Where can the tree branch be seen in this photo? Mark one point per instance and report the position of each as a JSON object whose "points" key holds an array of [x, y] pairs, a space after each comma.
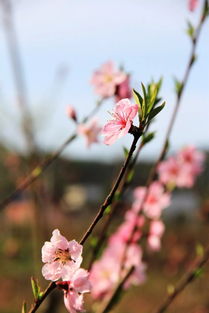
{"points": [[186, 280]]}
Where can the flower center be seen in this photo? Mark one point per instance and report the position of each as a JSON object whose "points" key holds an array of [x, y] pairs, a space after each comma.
{"points": [[63, 256], [152, 199], [108, 78]]}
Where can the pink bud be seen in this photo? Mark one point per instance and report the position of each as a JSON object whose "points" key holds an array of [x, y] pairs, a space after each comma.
{"points": [[193, 4], [71, 113]]}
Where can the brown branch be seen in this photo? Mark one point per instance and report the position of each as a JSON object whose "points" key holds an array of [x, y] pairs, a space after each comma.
{"points": [[122, 188], [108, 305], [124, 185], [38, 302], [108, 200], [186, 280]]}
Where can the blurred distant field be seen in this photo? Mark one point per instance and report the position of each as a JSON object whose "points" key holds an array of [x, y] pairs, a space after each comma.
{"points": [[23, 234], [180, 242]]}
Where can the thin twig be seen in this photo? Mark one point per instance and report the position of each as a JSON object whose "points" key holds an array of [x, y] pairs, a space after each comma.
{"points": [[40, 168], [185, 281], [108, 200], [122, 189], [38, 302], [108, 305]]}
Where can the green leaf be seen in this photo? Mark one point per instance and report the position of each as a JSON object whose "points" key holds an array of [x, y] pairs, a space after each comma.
{"points": [[155, 111], [198, 272], [178, 86], [199, 250], [117, 195], [130, 176], [107, 210], [157, 100], [24, 307], [125, 151], [35, 288], [153, 96], [37, 171], [144, 103], [147, 138], [138, 99], [159, 84], [190, 30], [170, 289], [93, 241]]}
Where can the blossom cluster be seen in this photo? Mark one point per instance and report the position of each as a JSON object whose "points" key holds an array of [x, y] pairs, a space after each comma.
{"points": [[117, 259], [182, 169], [123, 250], [108, 82], [62, 260], [122, 119]]}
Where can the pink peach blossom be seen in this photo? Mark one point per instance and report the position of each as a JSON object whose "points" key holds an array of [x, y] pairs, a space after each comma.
{"points": [[157, 229], [71, 112], [123, 90], [182, 169], [134, 258], [174, 173], [131, 255], [125, 232], [107, 272], [106, 79], [154, 243], [62, 257], [119, 126], [74, 288], [90, 131], [192, 157], [169, 172], [104, 275], [154, 202], [193, 4], [73, 302]]}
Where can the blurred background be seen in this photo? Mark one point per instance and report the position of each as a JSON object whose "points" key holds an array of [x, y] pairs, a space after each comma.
{"points": [[48, 52]]}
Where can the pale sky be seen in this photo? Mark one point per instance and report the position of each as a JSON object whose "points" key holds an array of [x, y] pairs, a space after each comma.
{"points": [[146, 36]]}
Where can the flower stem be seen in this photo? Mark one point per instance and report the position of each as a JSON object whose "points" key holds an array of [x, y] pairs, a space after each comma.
{"points": [[109, 199]]}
